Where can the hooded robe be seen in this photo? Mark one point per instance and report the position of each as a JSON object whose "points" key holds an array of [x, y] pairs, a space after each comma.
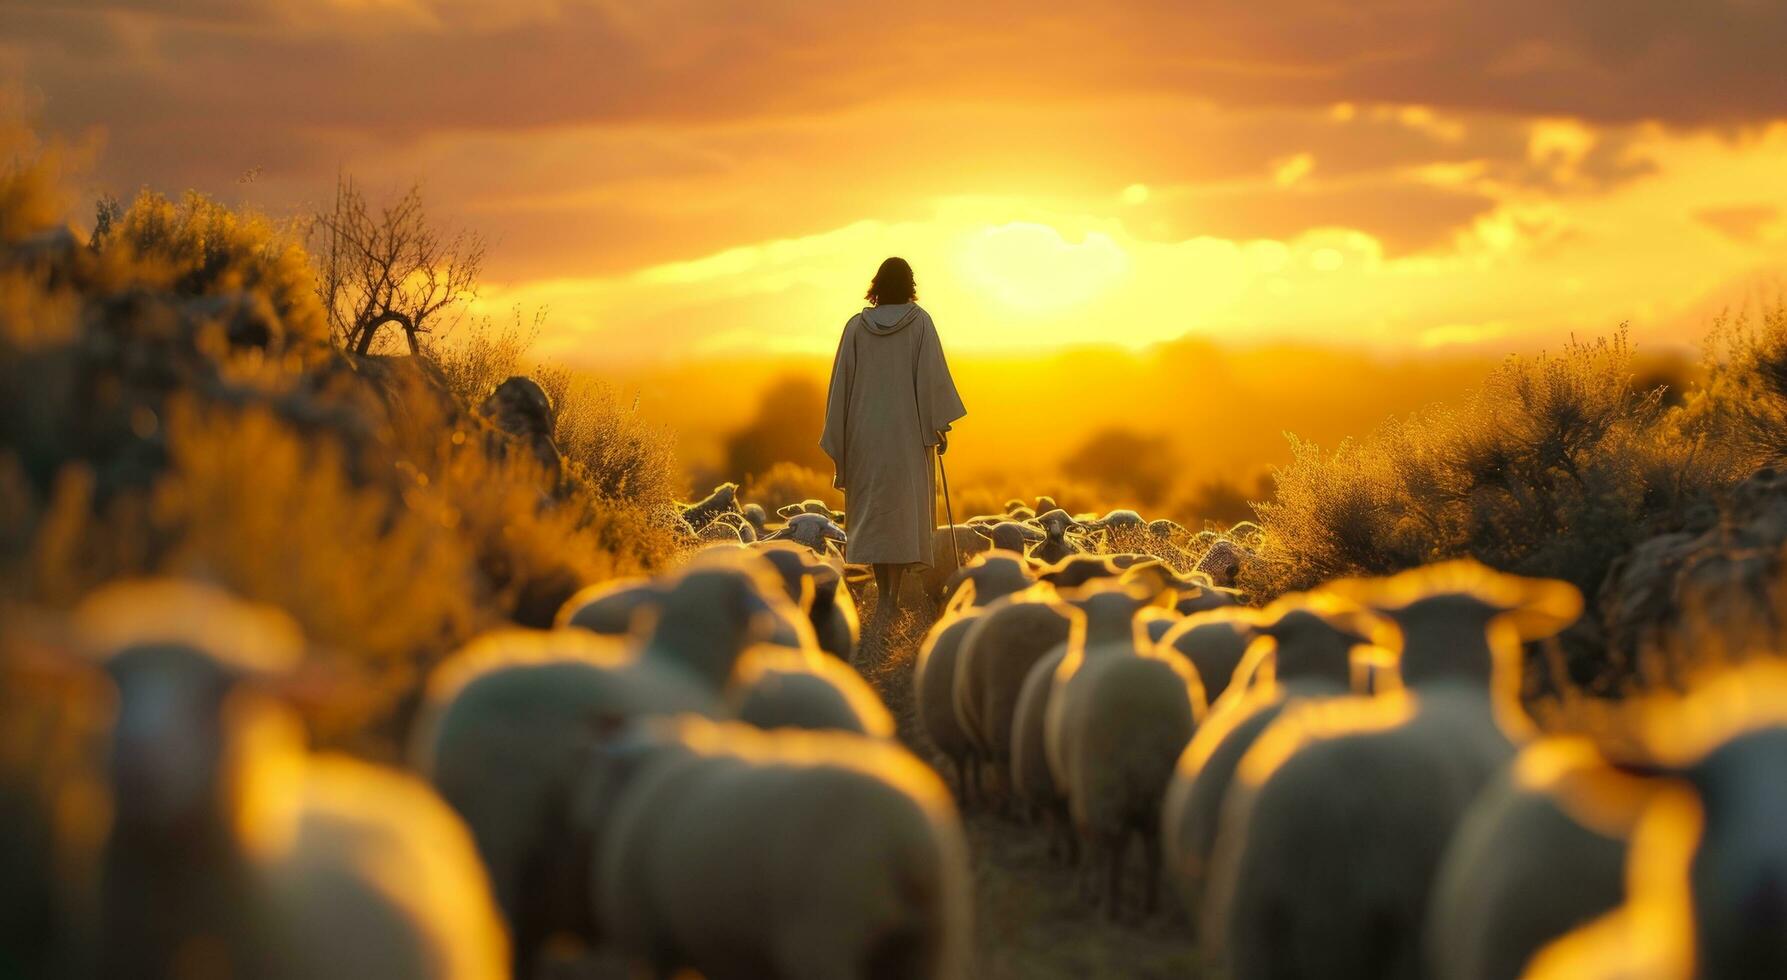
{"points": [[890, 395]]}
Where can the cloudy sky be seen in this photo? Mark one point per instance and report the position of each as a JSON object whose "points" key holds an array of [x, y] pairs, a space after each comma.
{"points": [[681, 177]]}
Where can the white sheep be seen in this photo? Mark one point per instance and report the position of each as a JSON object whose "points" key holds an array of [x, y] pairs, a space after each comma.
{"points": [[758, 517], [607, 607], [969, 541], [1338, 816], [505, 723], [739, 853], [1117, 718], [817, 587], [1016, 536], [1075, 571], [1707, 860], [229, 838], [502, 734], [933, 681], [632, 606], [1302, 650], [1214, 642], [1000, 647], [781, 687], [987, 577], [1541, 851], [815, 531]]}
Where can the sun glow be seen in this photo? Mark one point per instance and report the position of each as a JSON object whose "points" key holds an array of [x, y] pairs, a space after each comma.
{"points": [[1034, 268]]}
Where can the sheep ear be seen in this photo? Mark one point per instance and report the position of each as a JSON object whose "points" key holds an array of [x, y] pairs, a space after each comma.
{"points": [[780, 534]]}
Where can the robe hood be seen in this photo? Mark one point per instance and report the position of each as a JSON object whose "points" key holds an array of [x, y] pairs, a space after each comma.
{"points": [[889, 317]]}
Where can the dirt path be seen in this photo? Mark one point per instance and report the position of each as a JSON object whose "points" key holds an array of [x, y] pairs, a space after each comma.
{"points": [[1030, 922]]}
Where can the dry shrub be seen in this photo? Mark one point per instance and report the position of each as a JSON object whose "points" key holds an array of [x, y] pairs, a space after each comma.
{"points": [[198, 247], [1557, 465], [140, 436], [616, 453], [484, 354], [787, 483]]}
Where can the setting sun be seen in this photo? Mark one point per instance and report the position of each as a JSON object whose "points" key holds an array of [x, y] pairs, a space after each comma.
{"points": [[1032, 268]]}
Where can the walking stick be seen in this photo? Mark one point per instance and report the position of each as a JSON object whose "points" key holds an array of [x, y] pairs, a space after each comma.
{"points": [[948, 512]]}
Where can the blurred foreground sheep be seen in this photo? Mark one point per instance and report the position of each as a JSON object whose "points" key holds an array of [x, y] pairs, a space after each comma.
{"points": [[1117, 717], [1542, 851], [816, 586], [508, 720], [1304, 651], [782, 687], [1706, 876], [235, 851], [1333, 831], [744, 854]]}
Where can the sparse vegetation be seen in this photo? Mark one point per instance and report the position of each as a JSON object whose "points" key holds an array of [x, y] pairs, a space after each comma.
{"points": [[1555, 466], [176, 400]]}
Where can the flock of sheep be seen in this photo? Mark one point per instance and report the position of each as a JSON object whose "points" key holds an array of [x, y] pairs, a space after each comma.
{"points": [[689, 773]]}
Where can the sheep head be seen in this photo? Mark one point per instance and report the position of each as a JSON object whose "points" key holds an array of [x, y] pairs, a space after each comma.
{"points": [[188, 661], [723, 603], [1460, 618], [1314, 635]]}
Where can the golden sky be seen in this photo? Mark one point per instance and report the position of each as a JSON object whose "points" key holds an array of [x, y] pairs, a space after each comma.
{"points": [[687, 177]]}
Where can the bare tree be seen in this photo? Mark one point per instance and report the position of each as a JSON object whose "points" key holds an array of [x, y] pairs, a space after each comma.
{"points": [[390, 266]]}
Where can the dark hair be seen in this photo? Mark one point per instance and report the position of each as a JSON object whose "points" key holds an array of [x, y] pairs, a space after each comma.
{"points": [[892, 283]]}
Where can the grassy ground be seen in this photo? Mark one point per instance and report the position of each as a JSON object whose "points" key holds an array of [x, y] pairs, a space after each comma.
{"points": [[1030, 921]]}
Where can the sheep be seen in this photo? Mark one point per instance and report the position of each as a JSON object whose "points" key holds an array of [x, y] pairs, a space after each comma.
{"points": [[817, 587], [724, 600], [1045, 503], [624, 606], [780, 687], [1016, 536], [505, 721], [229, 838], [816, 532], [759, 519], [986, 577], [1706, 864], [933, 682], [607, 608], [810, 506], [968, 542], [996, 654], [1056, 545], [501, 736], [1214, 642], [1541, 851], [1076, 570], [1032, 781], [1116, 718], [701, 513], [1335, 823], [737, 853]]}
